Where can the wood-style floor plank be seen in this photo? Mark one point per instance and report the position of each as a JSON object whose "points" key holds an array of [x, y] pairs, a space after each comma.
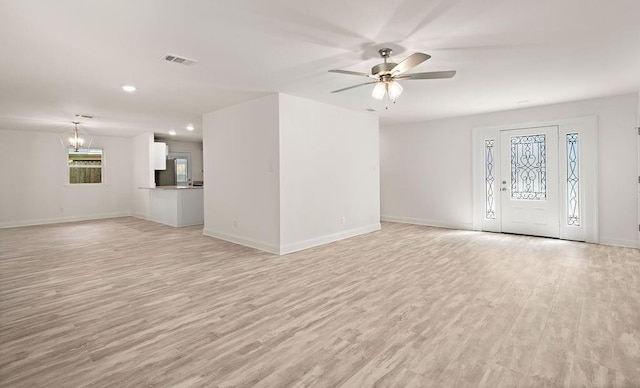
{"points": [[129, 303]]}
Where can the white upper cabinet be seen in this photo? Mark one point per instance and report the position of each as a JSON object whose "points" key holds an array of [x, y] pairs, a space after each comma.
{"points": [[158, 156]]}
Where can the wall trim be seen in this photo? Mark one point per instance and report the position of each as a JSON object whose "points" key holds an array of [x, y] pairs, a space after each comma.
{"points": [[439, 224], [618, 243], [141, 216], [328, 238], [60, 220], [261, 245], [426, 222]]}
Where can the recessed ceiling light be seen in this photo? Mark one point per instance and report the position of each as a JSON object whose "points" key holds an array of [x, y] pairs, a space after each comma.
{"points": [[523, 102], [172, 132], [189, 127], [129, 88]]}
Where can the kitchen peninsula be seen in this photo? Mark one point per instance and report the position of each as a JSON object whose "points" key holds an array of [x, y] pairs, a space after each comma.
{"points": [[177, 205]]}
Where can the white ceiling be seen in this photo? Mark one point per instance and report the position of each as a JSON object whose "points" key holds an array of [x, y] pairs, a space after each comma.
{"points": [[66, 57]]}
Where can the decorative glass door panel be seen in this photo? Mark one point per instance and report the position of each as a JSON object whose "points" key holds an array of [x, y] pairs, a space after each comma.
{"points": [[529, 167], [573, 180], [490, 180], [529, 181]]}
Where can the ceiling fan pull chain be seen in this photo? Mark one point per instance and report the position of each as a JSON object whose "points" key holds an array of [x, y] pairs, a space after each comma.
{"points": [[386, 96]]}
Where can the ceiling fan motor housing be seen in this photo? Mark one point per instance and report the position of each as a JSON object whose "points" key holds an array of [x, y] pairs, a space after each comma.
{"points": [[386, 67], [383, 68]]}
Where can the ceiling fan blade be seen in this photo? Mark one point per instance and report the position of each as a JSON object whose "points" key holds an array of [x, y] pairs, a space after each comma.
{"points": [[428, 75], [354, 86], [350, 72], [410, 62]]}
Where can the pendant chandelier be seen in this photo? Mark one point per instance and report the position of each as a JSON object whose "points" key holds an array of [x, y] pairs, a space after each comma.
{"points": [[75, 140]]}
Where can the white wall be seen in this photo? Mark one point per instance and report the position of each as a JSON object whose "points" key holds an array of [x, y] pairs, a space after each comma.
{"points": [[34, 187], [329, 169], [143, 174], [426, 167], [425, 174], [195, 149], [281, 172], [241, 192]]}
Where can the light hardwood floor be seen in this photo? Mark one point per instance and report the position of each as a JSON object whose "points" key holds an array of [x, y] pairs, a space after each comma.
{"points": [[126, 302]]}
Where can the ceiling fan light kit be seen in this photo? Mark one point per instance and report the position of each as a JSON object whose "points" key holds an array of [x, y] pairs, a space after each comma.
{"points": [[386, 74], [391, 89]]}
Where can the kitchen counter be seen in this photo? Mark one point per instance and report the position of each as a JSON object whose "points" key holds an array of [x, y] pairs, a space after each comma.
{"points": [[177, 188], [177, 205]]}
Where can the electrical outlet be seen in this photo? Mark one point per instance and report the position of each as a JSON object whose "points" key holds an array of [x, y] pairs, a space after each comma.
{"points": [[343, 220], [235, 223]]}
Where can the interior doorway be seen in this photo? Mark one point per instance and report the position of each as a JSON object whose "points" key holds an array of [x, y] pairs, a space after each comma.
{"points": [[537, 179]]}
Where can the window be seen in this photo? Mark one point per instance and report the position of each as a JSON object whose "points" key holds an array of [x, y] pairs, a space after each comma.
{"points": [[182, 176], [183, 167], [85, 166]]}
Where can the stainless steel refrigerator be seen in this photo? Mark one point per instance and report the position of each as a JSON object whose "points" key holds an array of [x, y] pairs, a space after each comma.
{"points": [[167, 177]]}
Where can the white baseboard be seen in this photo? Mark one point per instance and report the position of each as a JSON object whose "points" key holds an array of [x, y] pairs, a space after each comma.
{"points": [[618, 243], [284, 249], [59, 220], [261, 245], [141, 216], [425, 222], [314, 242], [462, 226]]}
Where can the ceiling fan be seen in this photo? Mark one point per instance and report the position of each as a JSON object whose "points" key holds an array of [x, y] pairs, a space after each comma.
{"points": [[386, 74]]}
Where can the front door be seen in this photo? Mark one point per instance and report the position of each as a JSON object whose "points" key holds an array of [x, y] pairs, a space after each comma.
{"points": [[529, 181]]}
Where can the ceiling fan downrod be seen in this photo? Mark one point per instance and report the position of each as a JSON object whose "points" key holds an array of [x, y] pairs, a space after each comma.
{"points": [[385, 67]]}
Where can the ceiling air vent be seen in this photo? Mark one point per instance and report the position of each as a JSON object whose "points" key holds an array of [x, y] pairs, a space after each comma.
{"points": [[178, 59]]}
